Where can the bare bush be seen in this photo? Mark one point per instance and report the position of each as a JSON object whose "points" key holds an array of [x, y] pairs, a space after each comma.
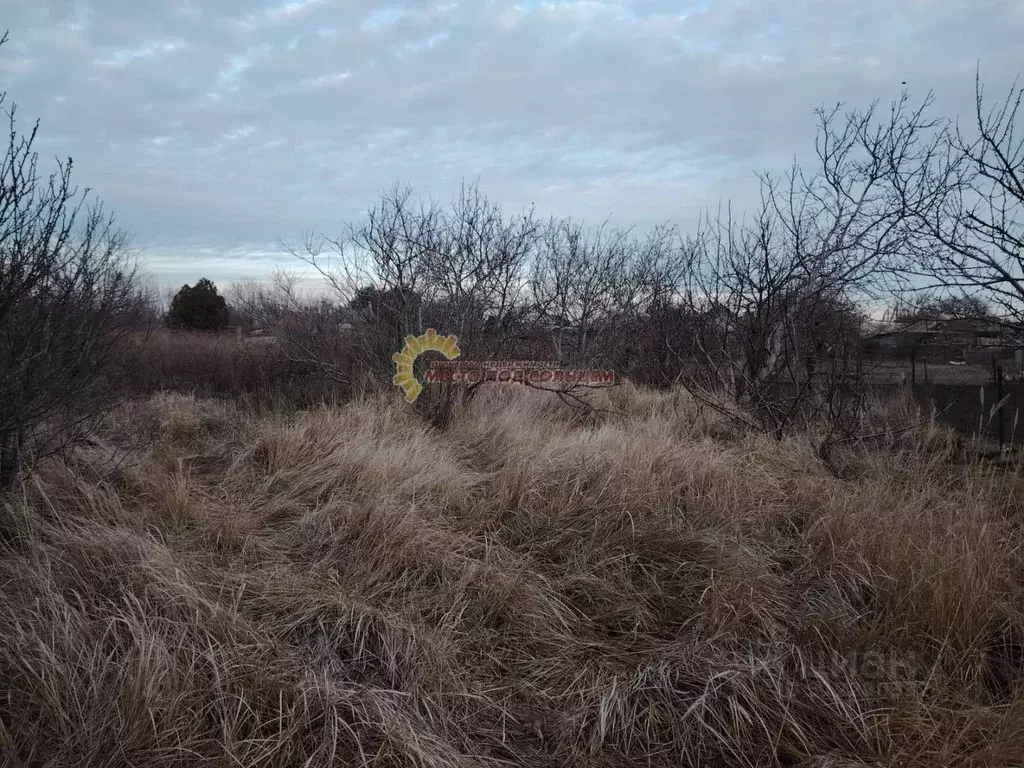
{"points": [[411, 265], [776, 295], [932, 304], [763, 315], [965, 197], [574, 285], [68, 294], [508, 285]]}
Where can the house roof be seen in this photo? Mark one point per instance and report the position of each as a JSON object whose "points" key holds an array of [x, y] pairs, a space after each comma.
{"points": [[943, 326]]}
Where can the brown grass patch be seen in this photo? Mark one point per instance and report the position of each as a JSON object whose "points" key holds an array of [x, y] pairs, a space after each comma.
{"points": [[525, 587]]}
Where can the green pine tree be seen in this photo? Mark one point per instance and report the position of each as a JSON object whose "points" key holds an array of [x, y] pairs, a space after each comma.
{"points": [[198, 308]]}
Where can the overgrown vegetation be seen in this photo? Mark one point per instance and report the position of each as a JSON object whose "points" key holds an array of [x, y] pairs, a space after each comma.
{"points": [[259, 372], [526, 588], [221, 549]]}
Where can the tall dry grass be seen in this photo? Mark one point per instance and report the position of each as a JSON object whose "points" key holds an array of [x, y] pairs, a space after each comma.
{"points": [[528, 587], [256, 371]]}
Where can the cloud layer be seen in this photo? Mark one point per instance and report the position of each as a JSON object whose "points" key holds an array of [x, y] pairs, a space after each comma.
{"points": [[215, 130]]}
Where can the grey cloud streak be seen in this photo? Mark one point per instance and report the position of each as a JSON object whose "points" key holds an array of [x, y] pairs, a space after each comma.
{"points": [[214, 130]]}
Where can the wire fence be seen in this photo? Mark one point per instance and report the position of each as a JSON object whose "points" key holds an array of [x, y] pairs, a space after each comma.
{"points": [[978, 391]]}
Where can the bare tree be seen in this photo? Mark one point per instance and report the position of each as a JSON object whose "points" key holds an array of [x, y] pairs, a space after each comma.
{"points": [[935, 305], [775, 296], [409, 265], [380, 267], [68, 296], [650, 321], [966, 200], [475, 270], [247, 301], [575, 281]]}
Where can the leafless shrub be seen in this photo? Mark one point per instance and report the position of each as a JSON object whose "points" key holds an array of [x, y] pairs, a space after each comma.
{"points": [[508, 285], [574, 281], [965, 199], [909, 307], [314, 333], [68, 294], [777, 296], [411, 265], [763, 315]]}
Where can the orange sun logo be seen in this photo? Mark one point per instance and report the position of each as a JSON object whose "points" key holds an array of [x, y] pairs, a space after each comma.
{"points": [[414, 347]]}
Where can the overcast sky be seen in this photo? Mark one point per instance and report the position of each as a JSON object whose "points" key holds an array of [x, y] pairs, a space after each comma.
{"points": [[216, 129]]}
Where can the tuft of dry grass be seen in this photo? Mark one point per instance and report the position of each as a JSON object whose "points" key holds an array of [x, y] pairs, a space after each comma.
{"points": [[527, 586]]}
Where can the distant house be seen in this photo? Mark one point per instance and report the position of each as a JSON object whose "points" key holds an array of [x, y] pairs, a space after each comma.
{"points": [[959, 333]]}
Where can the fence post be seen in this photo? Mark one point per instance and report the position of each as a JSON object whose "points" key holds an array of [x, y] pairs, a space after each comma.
{"points": [[913, 367], [999, 404]]}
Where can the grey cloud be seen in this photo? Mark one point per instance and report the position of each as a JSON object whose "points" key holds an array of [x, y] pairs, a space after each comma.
{"points": [[218, 128]]}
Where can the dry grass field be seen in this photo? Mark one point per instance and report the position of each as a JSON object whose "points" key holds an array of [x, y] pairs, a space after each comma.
{"points": [[531, 587]]}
